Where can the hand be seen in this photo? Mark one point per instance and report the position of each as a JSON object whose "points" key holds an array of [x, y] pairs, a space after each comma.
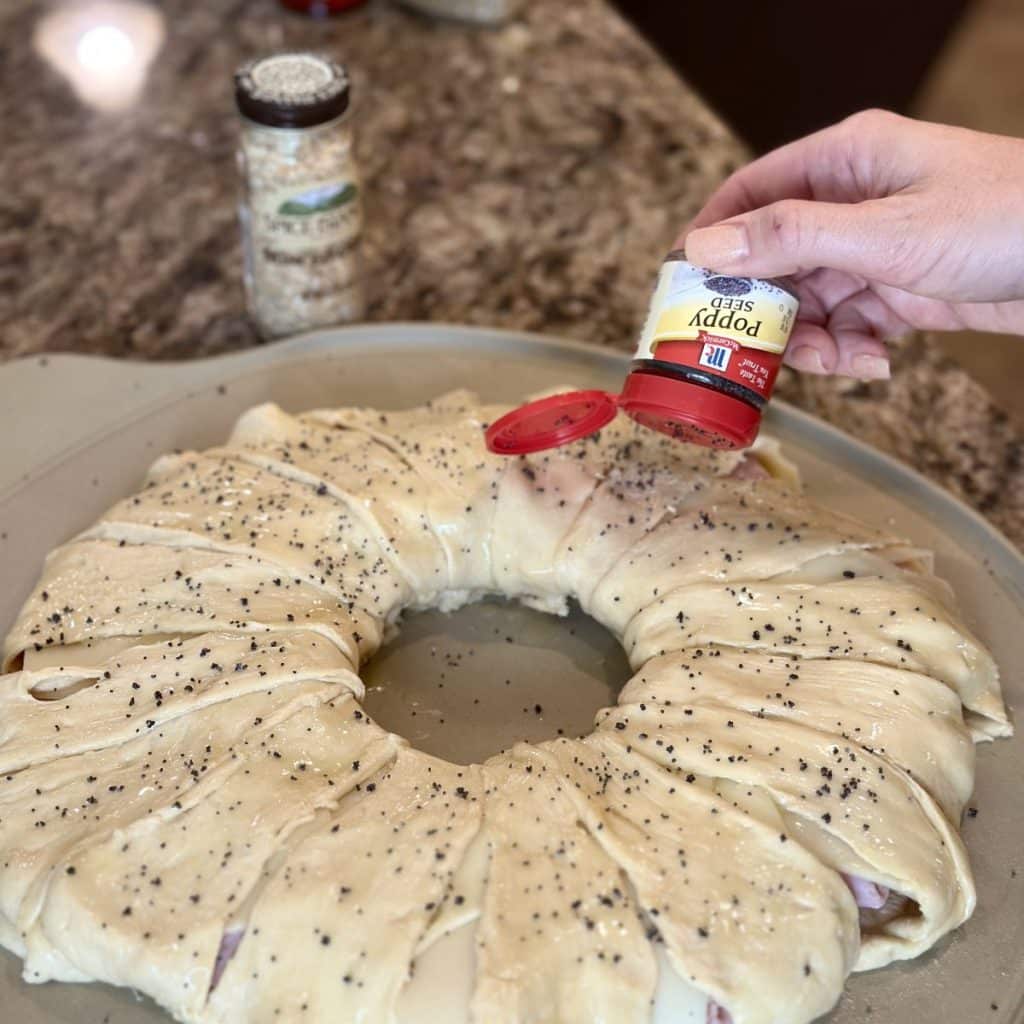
{"points": [[886, 224]]}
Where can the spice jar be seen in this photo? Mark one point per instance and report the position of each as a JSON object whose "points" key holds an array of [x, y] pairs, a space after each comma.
{"points": [[704, 367], [482, 12], [301, 206]]}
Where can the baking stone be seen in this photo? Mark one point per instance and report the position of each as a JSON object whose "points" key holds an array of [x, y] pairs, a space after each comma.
{"points": [[80, 432]]}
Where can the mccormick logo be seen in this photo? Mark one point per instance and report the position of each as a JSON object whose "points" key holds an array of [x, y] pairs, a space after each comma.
{"points": [[715, 356]]}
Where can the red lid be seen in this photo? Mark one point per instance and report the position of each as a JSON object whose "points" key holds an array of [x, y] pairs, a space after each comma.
{"points": [[550, 422], [689, 412]]}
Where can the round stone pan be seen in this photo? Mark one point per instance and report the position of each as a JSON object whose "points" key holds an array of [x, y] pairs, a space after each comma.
{"points": [[79, 432]]}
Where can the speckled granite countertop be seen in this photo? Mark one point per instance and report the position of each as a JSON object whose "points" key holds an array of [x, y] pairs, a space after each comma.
{"points": [[529, 177]]}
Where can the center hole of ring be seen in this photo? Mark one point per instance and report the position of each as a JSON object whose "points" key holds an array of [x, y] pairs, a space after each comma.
{"points": [[468, 684]]}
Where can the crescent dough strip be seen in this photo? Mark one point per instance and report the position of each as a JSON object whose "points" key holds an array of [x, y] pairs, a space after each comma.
{"points": [[464, 900], [144, 687], [561, 511], [94, 589], [726, 530], [833, 788], [168, 884], [217, 501], [560, 936], [861, 619], [524, 547], [366, 476], [443, 442], [717, 884], [333, 932], [884, 563], [48, 810], [648, 480], [912, 720]]}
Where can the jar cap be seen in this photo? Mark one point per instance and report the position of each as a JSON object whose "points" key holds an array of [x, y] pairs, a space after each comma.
{"points": [[551, 422], [292, 90], [689, 412], [682, 410]]}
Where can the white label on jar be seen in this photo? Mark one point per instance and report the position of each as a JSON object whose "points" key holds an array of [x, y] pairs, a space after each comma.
{"points": [[303, 240], [693, 304], [302, 219], [469, 10]]}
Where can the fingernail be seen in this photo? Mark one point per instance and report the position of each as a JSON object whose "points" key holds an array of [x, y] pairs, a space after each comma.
{"points": [[806, 358], [867, 367], [717, 247]]}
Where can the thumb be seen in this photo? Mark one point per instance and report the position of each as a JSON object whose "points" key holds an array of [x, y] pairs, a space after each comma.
{"points": [[794, 235]]}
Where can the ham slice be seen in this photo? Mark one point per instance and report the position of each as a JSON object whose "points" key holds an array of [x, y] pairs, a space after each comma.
{"points": [[867, 894], [229, 944], [718, 1014]]}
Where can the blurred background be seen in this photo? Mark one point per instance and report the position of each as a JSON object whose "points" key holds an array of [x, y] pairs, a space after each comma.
{"points": [[527, 176], [775, 71]]}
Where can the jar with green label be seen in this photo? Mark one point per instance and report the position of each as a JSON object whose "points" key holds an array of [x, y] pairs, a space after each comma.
{"points": [[300, 209], [482, 12]]}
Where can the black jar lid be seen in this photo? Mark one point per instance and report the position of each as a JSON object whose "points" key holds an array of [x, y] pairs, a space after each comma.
{"points": [[292, 90]]}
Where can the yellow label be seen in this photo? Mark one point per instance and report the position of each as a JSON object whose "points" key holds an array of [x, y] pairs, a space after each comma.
{"points": [[689, 301]]}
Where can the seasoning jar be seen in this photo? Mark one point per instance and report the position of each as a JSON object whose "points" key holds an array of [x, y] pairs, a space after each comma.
{"points": [[482, 12], [703, 372], [301, 207]]}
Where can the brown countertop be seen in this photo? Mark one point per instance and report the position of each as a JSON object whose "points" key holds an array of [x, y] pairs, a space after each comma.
{"points": [[527, 177]]}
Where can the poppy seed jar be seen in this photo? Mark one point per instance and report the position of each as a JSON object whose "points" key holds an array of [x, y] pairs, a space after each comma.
{"points": [[704, 368], [709, 353], [300, 206]]}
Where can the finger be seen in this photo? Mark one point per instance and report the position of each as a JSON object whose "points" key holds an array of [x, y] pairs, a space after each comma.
{"points": [[840, 328], [1004, 317], [781, 174], [812, 309], [822, 291], [862, 356], [797, 170], [811, 349], [793, 236], [847, 162], [828, 287], [855, 325], [936, 315], [922, 312], [884, 322]]}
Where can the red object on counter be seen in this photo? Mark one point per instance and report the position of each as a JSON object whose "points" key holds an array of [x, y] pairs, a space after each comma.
{"points": [[321, 8]]}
